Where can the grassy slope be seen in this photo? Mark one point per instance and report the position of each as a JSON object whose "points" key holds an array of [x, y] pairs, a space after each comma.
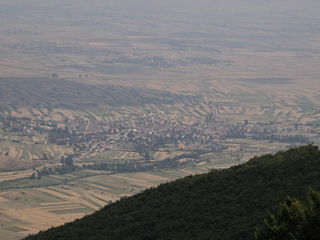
{"points": [[224, 204]]}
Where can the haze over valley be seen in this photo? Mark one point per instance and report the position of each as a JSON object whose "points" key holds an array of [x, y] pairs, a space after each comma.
{"points": [[100, 100]]}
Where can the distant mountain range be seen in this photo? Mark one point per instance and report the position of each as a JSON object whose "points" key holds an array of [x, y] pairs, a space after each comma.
{"points": [[223, 204]]}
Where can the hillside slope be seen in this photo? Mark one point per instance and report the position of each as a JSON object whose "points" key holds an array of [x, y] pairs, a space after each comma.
{"points": [[223, 204], [8, 163], [59, 93]]}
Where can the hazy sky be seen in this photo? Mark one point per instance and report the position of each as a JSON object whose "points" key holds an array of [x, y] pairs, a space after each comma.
{"points": [[208, 7], [189, 11], [245, 25]]}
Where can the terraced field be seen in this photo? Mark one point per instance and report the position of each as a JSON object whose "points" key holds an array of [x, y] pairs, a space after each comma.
{"points": [[112, 156], [56, 199], [32, 151], [112, 61], [56, 204]]}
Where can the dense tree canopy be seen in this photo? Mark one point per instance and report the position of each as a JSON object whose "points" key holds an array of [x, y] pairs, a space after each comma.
{"points": [[295, 220]]}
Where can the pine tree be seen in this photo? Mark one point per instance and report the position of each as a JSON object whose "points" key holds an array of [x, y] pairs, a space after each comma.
{"points": [[295, 220]]}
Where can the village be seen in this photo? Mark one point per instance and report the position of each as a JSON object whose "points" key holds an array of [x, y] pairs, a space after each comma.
{"points": [[150, 132]]}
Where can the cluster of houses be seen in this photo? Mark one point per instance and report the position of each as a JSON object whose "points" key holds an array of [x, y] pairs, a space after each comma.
{"points": [[147, 133], [150, 131]]}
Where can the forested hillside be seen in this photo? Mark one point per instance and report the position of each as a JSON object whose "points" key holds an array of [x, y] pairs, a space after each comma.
{"points": [[223, 204], [295, 219]]}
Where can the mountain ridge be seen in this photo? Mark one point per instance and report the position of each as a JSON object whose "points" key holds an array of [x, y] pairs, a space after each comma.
{"points": [[223, 204]]}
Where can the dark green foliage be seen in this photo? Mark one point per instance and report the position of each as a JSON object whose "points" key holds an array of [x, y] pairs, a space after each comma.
{"points": [[167, 163], [295, 220], [223, 204]]}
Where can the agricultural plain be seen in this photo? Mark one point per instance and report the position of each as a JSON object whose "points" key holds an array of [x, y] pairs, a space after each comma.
{"points": [[102, 100]]}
